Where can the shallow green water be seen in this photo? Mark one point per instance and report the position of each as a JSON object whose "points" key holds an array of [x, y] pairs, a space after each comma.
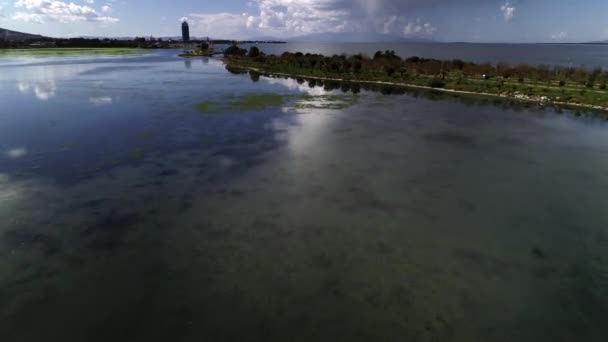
{"points": [[45, 52], [126, 215]]}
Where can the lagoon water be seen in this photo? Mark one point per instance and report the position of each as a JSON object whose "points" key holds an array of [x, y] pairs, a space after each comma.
{"points": [[150, 198]]}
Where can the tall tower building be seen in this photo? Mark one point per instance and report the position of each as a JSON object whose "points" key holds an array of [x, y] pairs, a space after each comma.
{"points": [[185, 31]]}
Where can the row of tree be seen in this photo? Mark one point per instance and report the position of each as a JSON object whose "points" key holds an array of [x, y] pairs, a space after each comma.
{"points": [[388, 64]]}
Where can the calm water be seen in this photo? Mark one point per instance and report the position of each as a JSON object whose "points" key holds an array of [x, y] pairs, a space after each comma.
{"points": [[128, 215], [589, 56]]}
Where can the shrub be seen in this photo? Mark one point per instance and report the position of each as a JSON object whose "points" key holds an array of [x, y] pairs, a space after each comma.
{"points": [[436, 83], [390, 71], [589, 85], [413, 59], [204, 46], [603, 86], [235, 51], [562, 83], [520, 80], [254, 52], [357, 67], [458, 64]]}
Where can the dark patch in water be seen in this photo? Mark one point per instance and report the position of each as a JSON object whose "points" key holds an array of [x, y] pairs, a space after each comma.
{"points": [[322, 261], [363, 198], [331, 286], [236, 193], [23, 238], [488, 265], [452, 138], [466, 205], [107, 234], [169, 172], [401, 295], [37, 276], [185, 206], [93, 203], [546, 272], [215, 232], [538, 253], [382, 248], [509, 141]]}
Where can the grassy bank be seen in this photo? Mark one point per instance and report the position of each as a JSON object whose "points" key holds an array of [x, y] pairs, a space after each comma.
{"points": [[548, 86]]}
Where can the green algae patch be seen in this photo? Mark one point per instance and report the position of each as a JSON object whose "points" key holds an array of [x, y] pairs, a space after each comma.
{"points": [[136, 153], [205, 107], [243, 103], [70, 52], [262, 101], [332, 102], [147, 135], [258, 101]]}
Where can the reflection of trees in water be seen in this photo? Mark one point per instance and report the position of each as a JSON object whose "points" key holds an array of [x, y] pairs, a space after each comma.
{"points": [[236, 71], [254, 75], [384, 89]]}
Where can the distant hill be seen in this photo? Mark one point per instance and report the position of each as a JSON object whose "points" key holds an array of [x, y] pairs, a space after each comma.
{"points": [[265, 39], [359, 38], [14, 36]]}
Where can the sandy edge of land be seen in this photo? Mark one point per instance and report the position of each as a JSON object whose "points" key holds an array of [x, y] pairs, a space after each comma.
{"points": [[544, 101]]}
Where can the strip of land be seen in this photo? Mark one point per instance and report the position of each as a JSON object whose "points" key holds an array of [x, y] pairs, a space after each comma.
{"points": [[556, 86]]}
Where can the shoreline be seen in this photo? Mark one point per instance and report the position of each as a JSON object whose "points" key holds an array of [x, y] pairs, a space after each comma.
{"points": [[543, 101], [523, 98]]}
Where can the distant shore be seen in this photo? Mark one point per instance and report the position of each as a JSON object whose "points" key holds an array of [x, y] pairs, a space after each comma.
{"points": [[567, 87]]}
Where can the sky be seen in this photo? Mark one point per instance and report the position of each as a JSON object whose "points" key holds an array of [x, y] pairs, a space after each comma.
{"points": [[440, 20]]}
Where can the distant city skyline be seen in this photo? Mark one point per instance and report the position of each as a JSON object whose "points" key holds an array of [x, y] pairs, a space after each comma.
{"points": [[440, 20]]}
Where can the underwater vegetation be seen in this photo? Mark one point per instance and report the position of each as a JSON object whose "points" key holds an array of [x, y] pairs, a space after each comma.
{"points": [[261, 101], [71, 51]]}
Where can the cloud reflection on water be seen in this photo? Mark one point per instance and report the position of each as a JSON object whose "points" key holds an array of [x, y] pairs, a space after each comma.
{"points": [[101, 100], [43, 91], [16, 152]]}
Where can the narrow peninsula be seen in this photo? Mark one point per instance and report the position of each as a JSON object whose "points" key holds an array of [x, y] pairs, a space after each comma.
{"points": [[556, 85]]}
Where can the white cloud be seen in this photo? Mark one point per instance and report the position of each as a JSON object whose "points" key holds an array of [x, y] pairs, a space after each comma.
{"points": [[229, 24], [508, 11], [297, 17], [559, 36], [41, 11]]}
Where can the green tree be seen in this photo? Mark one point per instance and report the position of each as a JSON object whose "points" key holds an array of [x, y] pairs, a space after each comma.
{"points": [[254, 52]]}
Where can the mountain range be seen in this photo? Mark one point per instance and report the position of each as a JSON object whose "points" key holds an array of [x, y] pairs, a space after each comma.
{"points": [[9, 35], [359, 38]]}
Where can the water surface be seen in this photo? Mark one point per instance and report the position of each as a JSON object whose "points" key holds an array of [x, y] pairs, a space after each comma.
{"points": [[127, 213]]}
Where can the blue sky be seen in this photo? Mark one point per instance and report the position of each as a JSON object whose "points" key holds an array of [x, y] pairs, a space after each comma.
{"points": [[443, 20]]}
